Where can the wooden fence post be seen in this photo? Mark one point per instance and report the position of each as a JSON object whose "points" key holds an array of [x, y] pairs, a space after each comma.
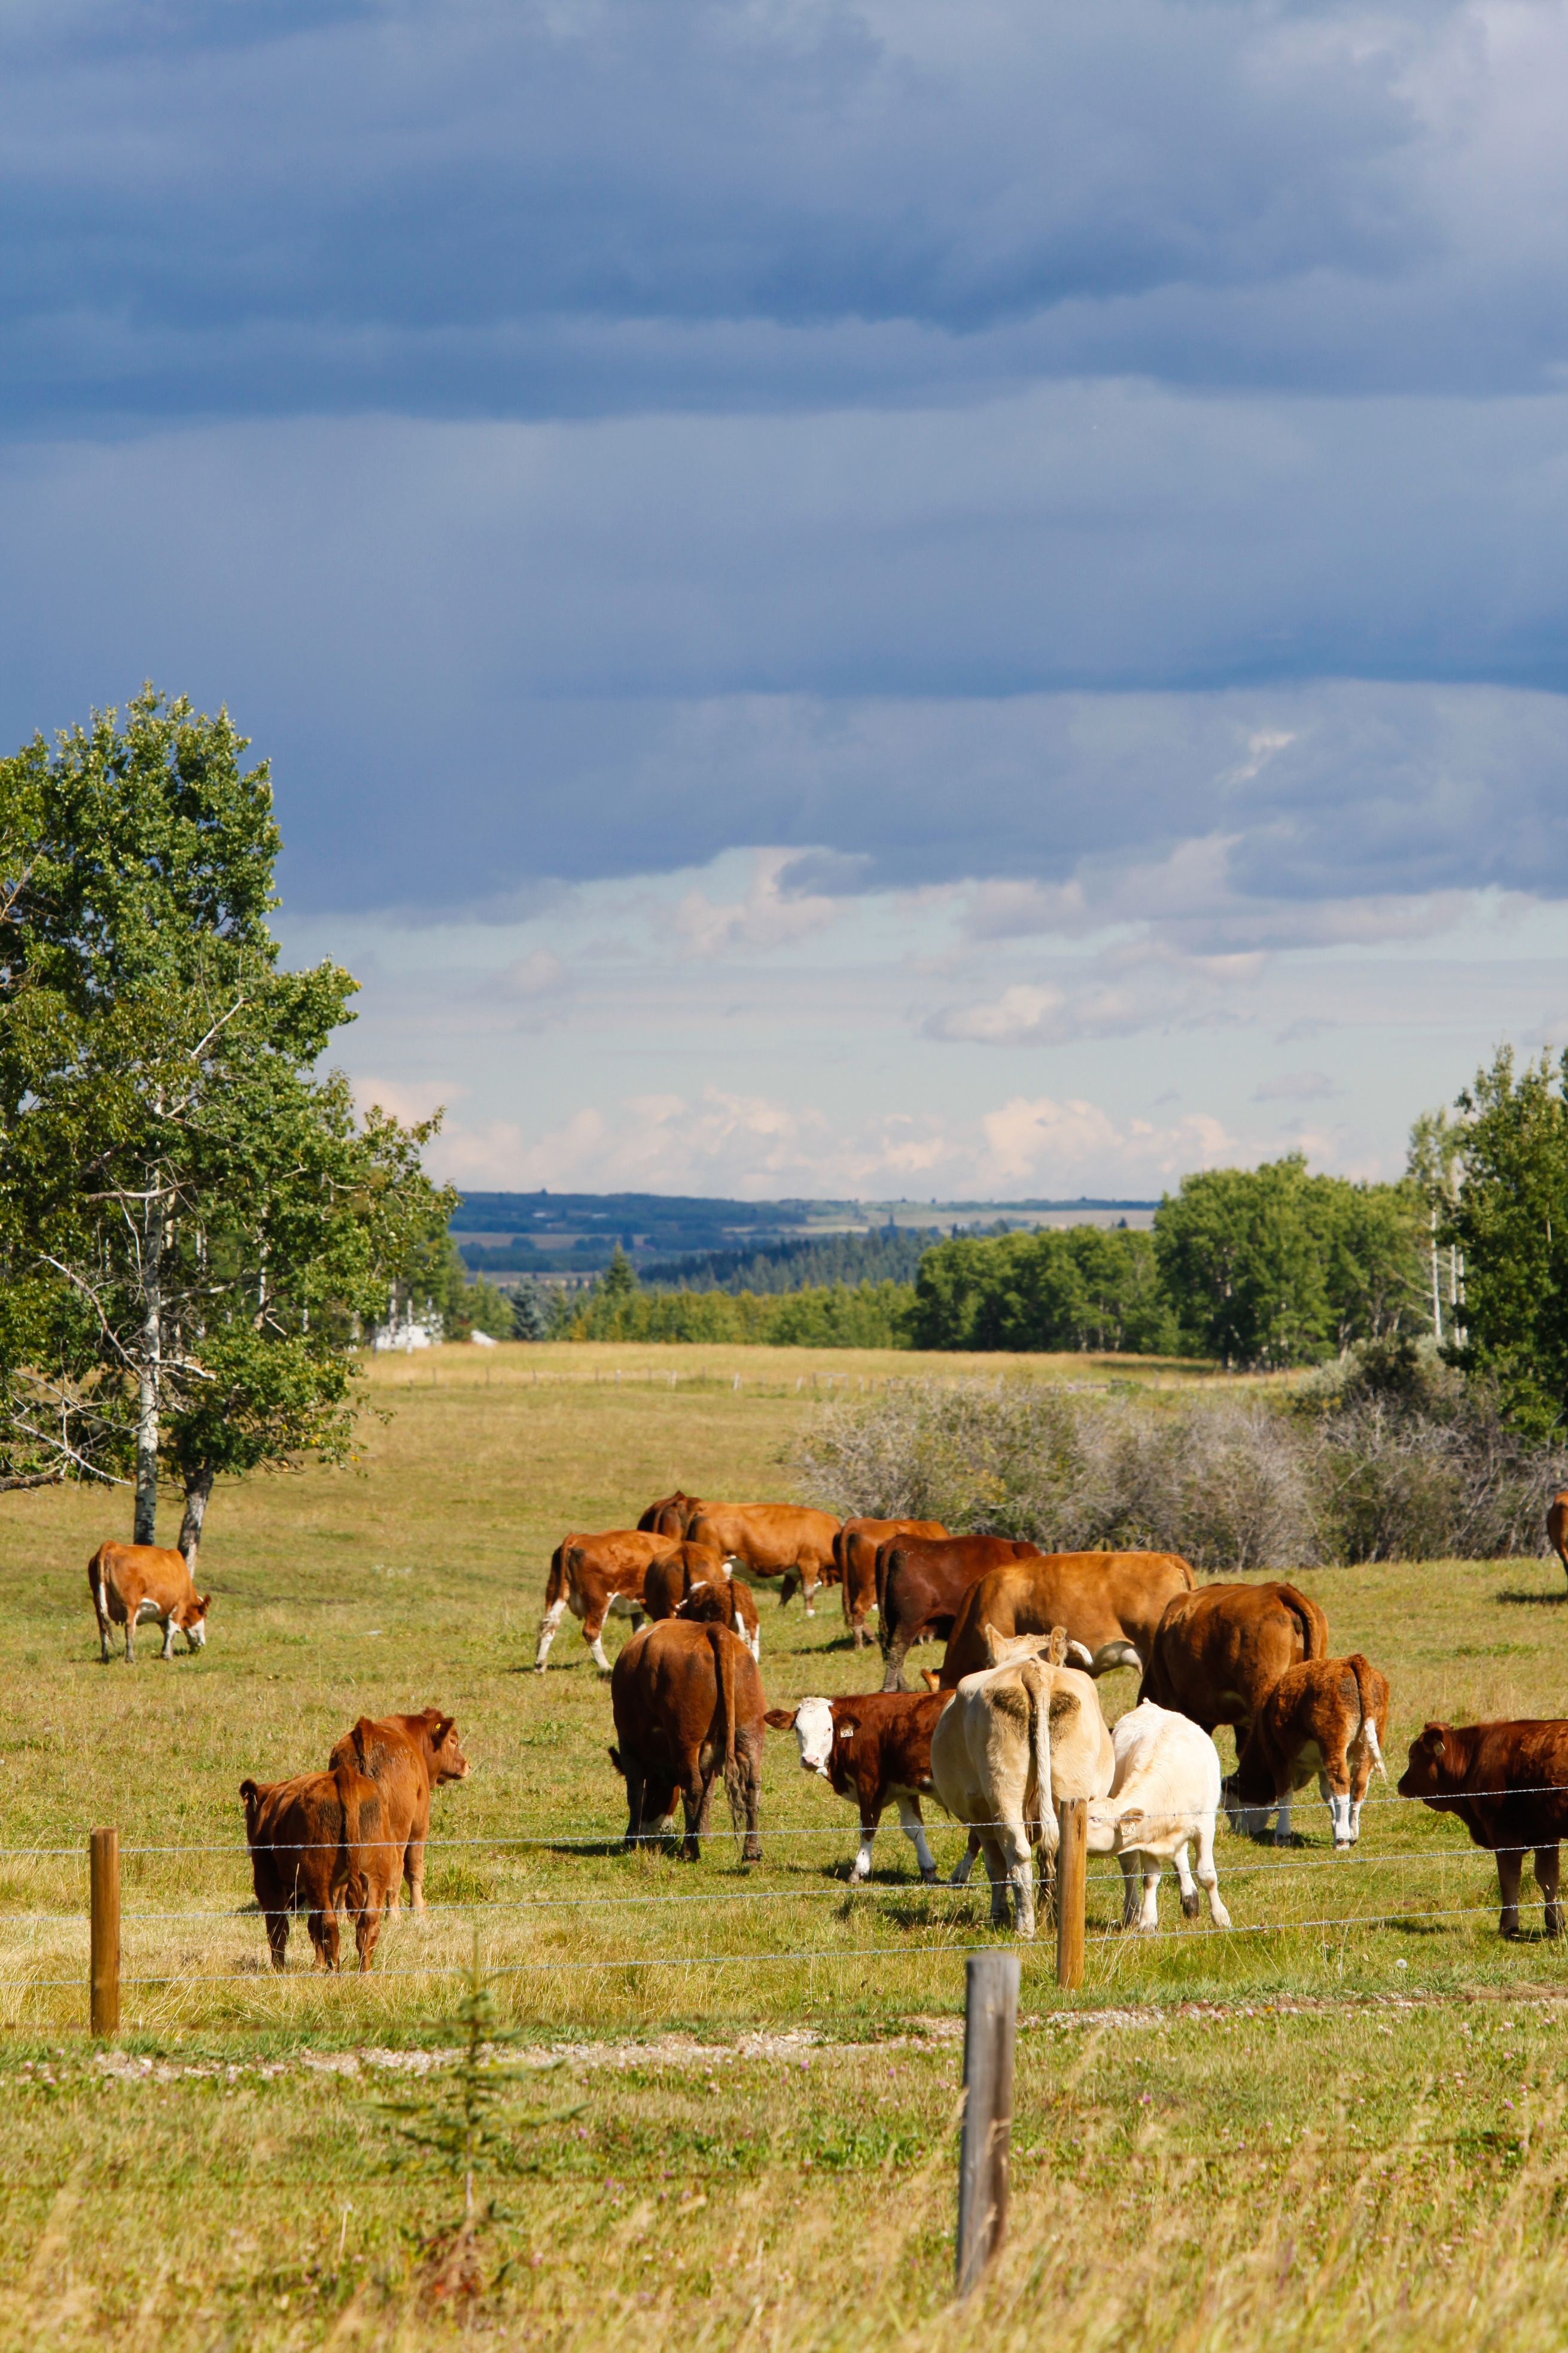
{"points": [[104, 1876], [1072, 1859], [989, 2029]]}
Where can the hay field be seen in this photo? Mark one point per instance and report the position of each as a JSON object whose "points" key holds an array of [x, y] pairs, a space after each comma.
{"points": [[762, 2041]]}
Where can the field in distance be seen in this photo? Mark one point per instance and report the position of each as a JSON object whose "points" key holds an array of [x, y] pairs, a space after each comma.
{"points": [[1359, 2092]]}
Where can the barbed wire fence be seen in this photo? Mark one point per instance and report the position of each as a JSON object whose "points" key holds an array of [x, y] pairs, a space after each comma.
{"points": [[944, 1905]]}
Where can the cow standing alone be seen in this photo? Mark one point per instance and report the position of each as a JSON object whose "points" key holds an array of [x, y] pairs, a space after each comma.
{"points": [[1508, 1783], [133, 1583], [869, 1748]]}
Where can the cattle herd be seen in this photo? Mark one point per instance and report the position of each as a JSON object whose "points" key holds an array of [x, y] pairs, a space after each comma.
{"points": [[1006, 1729]]}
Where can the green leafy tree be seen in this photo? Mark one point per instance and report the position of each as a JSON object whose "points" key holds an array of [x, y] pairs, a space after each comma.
{"points": [[192, 1223], [1509, 1218]]}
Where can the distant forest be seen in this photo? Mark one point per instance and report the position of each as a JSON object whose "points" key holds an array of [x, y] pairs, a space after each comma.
{"points": [[890, 1254]]}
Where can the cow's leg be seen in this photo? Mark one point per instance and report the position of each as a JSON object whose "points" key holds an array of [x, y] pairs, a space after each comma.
{"points": [[694, 1795], [965, 1864], [101, 1603], [870, 1815], [634, 1780], [750, 1798], [413, 1872], [277, 1937], [593, 1634], [367, 1922], [1021, 1873], [996, 1864], [914, 1830], [322, 1926], [1208, 1877], [1190, 1897], [1149, 1910], [1282, 1821], [168, 1650], [1128, 1860], [1510, 1865], [898, 1650], [547, 1629], [130, 1636], [1548, 1859]]}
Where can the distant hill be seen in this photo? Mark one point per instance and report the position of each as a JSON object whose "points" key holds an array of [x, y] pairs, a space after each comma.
{"points": [[702, 1242]]}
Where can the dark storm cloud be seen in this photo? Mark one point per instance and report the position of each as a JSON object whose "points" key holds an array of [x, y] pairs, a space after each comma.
{"points": [[514, 209]]}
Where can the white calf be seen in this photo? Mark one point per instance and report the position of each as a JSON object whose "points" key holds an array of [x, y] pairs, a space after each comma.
{"points": [[1165, 1793]]}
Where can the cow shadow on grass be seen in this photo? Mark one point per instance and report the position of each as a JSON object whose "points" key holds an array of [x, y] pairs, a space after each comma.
{"points": [[1518, 1600]]}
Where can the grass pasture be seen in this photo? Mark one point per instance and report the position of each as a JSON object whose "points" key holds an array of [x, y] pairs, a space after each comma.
{"points": [[1345, 2118]]}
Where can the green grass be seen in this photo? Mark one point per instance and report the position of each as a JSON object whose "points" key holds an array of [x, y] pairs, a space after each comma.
{"points": [[181, 2203]]}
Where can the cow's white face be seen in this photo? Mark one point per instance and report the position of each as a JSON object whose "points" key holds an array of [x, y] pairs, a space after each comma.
{"points": [[814, 1730], [197, 1634]]}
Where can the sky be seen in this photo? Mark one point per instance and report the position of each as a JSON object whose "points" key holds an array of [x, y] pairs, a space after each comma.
{"points": [[948, 601]]}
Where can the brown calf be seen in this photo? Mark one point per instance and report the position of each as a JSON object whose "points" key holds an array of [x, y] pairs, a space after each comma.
{"points": [[1508, 1783], [687, 1705], [131, 1583], [1108, 1604], [1218, 1652], [855, 1549], [869, 1748], [922, 1581], [595, 1578], [407, 1757], [313, 1840], [668, 1580], [1326, 1717]]}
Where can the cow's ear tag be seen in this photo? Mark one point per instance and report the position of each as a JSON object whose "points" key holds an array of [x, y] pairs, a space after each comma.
{"points": [[847, 1726]]}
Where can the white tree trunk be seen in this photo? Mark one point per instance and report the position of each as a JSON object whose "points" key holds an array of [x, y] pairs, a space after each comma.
{"points": [[198, 1488], [150, 1380]]}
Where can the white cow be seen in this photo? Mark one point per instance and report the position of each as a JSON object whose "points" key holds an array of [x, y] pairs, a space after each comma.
{"points": [[1165, 1792], [1018, 1738]]}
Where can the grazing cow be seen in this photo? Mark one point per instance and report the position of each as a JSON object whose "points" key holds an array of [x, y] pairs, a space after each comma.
{"points": [[595, 1578], [1109, 1602], [855, 1549], [771, 1540], [668, 1580], [1557, 1526], [724, 1601], [668, 1516], [1327, 1716], [407, 1757], [313, 1840], [1164, 1796], [1011, 1745], [869, 1748], [920, 1582], [1508, 1783], [1218, 1652], [131, 1583], [688, 1704]]}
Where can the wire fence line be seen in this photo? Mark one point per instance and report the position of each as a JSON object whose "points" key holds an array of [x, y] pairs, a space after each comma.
{"points": [[608, 1834]]}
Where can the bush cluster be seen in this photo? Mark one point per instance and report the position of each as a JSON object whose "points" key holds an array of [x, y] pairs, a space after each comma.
{"points": [[1391, 1456]]}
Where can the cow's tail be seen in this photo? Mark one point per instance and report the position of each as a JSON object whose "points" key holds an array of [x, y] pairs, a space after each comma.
{"points": [[720, 1641], [555, 1585], [1309, 1617], [841, 1562], [1368, 1712], [1040, 1820]]}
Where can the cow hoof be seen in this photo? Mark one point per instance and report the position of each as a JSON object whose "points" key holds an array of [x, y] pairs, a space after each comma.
{"points": [[1342, 1846], [1190, 1907], [928, 1878]]}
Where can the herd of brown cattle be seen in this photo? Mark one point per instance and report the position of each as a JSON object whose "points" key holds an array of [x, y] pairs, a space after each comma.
{"points": [[689, 1709], [688, 1705]]}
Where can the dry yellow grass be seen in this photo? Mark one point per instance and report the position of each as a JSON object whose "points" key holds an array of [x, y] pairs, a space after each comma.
{"points": [[180, 2207]]}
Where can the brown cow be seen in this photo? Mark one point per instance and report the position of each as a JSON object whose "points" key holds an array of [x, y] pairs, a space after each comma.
{"points": [[855, 1551], [131, 1583], [595, 1577], [869, 1748], [1557, 1526], [1327, 1716], [407, 1757], [728, 1601], [668, 1580], [1218, 1652], [313, 1840], [1109, 1602], [770, 1540], [688, 1704], [1508, 1783], [667, 1518], [922, 1582]]}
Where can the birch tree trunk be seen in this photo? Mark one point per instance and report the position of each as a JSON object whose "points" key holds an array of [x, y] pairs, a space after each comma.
{"points": [[149, 1381], [198, 1488]]}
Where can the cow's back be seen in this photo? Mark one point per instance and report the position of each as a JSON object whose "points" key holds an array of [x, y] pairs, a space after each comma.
{"points": [[1220, 1650], [128, 1575], [1099, 1598]]}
